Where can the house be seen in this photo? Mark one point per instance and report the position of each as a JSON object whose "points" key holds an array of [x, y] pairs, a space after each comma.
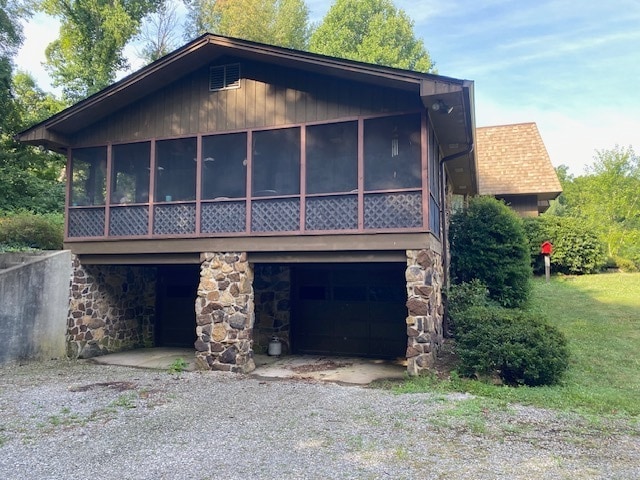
{"points": [[513, 165], [233, 191]]}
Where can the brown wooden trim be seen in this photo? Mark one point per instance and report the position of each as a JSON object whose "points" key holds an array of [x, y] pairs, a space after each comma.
{"points": [[329, 257], [303, 177], [249, 187], [198, 181], [291, 243], [152, 185], [140, 259], [68, 192], [426, 181], [108, 174], [361, 174]]}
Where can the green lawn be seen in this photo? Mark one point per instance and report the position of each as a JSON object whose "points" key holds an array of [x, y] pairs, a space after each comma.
{"points": [[600, 315]]}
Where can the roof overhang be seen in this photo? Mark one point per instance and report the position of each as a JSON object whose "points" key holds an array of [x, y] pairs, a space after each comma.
{"points": [[455, 131]]}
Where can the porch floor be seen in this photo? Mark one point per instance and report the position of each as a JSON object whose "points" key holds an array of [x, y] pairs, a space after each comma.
{"points": [[350, 370]]}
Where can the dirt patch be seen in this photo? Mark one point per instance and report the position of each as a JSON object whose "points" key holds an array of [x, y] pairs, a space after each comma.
{"points": [[117, 386], [319, 367]]}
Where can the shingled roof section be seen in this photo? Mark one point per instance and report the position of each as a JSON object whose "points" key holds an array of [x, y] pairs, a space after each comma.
{"points": [[512, 160]]}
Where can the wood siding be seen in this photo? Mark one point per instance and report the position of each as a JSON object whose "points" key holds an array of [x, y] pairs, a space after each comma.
{"points": [[268, 96]]}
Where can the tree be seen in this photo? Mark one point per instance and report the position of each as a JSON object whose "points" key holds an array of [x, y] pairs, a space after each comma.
{"points": [[93, 33], [32, 104], [159, 32], [608, 197], [372, 31], [275, 22], [30, 179], [10, 40]]}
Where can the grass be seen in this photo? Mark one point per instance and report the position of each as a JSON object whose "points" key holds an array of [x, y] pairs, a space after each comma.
{"points": [[600, 315]]}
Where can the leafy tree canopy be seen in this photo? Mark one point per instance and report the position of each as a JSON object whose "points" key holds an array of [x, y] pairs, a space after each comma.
{"points": [[93, 33], [372, 31], [275, 22], [30, 179], [608, 197]]}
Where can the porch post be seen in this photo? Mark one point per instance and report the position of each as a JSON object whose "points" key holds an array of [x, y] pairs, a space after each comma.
{"points": [[225, 313]]}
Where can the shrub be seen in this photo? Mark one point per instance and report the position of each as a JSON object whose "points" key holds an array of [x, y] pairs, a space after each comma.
{"points": [[463, 296], [488, 243], [29, 230], [625, 264], [520, 347], [576, 247]]}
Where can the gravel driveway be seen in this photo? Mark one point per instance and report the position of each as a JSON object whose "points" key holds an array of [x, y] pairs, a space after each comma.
{"points": [[63, 420]]}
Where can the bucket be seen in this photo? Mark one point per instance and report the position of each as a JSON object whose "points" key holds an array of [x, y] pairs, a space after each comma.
{"points": [[275, 347]]}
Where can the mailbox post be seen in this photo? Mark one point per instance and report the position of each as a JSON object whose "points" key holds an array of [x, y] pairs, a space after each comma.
{"points": [[547, 249]]}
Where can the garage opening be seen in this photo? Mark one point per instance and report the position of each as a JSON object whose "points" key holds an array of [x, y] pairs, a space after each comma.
{"points": [[177, 287], [353, 309]]}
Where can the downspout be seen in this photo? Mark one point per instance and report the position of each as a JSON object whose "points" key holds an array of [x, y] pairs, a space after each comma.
{"points": [[445, 235]]}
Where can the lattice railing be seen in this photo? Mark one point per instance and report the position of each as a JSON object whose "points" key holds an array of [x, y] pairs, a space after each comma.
{"points": [[393, 210], [128, 221], [332, 213], [223, 217], [86, 222], [174, 219], [277, 215]]}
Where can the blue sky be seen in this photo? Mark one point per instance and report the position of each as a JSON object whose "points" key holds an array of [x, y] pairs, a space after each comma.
{"points": [[573, 67]]}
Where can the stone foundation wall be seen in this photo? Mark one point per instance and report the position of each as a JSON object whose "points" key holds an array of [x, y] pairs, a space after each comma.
{"points": [[225, 313], [425, 279], [272, 287], [112, 308]]}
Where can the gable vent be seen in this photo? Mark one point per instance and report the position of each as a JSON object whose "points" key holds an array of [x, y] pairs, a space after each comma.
{"points": [[224, 77]]}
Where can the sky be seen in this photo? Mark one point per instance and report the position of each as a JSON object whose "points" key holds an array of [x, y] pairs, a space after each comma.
{"points": [[570, 66]]}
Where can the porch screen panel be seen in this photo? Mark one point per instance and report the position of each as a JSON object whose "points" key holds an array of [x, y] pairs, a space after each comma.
{"points": [[88, 176], [176, 170], [224, 166], [332, 158], [392, 153], [276, 162], [130, 173]]}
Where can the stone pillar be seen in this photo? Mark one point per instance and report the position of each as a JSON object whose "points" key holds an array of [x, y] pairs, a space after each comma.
{"points": [[424, 277], [111, 308], [225, 313], [272, 287]]}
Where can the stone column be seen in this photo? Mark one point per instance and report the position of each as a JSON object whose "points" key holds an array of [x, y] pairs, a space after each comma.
{"points": [[225, 313], [424, 277]]}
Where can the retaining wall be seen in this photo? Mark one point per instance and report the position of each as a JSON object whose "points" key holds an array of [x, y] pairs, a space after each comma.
{"points": [[34, 302]]}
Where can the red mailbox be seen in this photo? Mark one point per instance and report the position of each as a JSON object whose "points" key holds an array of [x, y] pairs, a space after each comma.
{"points": [[546, 248]]}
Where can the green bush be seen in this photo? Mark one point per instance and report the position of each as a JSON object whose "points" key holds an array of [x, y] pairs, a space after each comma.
{"points": [[463, 296], [625, 264], [520, 347], [576, 247], [29, 230], [488, 243]]}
